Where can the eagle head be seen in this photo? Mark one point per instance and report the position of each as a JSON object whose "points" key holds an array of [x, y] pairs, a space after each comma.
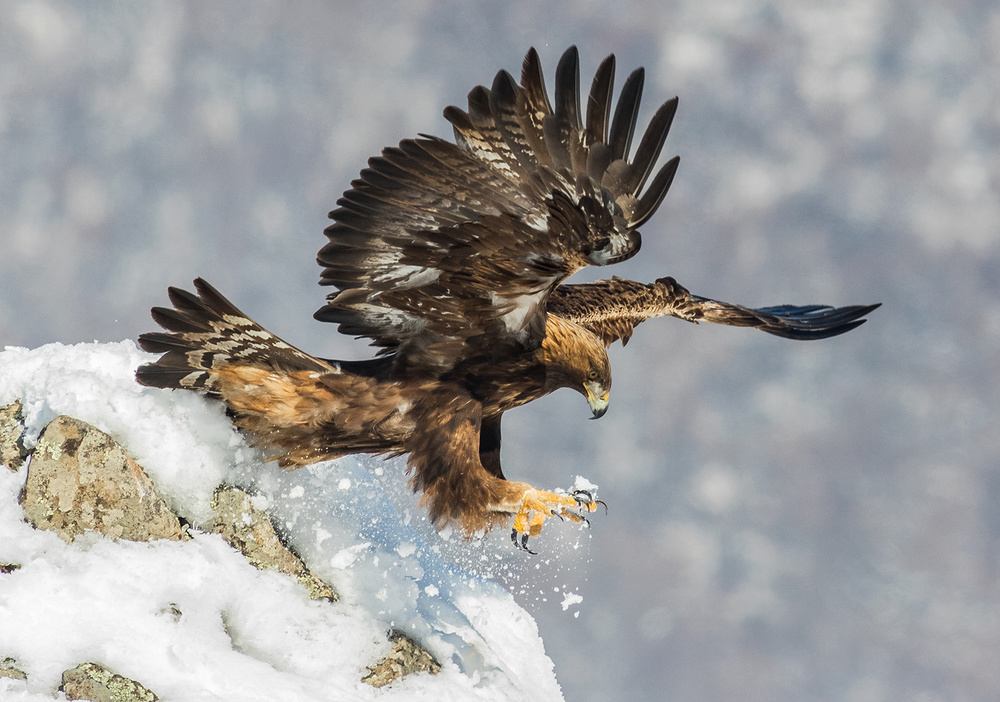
{"points": [[597, 388], [575, 358]]}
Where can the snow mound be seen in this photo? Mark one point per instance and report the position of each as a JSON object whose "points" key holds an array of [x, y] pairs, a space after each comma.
{"points": [[194, 620]]}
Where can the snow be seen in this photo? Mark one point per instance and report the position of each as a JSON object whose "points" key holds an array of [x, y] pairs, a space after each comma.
{"points": [[194, 620], [570, 599]]}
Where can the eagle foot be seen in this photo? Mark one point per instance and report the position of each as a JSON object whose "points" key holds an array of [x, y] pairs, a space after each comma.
{"points": [[538, 505], [586, 501]]}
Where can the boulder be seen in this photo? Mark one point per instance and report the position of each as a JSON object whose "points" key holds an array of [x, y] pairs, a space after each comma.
{"points": [[9, 669], [90, 681], [250, 531], [12, 450], [81, 479], [406, 657]]}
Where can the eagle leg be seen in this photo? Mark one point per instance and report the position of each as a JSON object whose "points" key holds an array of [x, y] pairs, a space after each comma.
{"points": [[446, 452], [538, 505]]}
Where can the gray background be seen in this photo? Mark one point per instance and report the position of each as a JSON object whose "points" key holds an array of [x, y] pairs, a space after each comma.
{"points": [[789, 521]]}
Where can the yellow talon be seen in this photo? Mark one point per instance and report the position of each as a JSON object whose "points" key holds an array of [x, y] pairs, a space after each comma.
{"points": [[537, 505]]}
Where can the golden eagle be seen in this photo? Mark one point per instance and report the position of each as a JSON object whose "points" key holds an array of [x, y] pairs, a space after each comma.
{"points": [[450, 257]]}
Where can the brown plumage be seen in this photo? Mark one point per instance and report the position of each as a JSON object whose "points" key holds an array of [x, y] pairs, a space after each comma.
{"points": [[451, 258]]}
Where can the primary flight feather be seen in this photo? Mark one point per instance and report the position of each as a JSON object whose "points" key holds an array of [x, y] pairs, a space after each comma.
{"points": [[451, 257]]}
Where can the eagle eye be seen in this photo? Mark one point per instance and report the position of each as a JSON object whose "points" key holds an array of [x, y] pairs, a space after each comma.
{"points": [[592, 375]]}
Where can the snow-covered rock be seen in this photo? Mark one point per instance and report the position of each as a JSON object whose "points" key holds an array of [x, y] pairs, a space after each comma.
{"points": [[89, 681], [251, 532], [12, 451], [193, 620], [81, 479]]}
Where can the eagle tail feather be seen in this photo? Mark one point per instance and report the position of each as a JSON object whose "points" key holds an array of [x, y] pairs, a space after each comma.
{"points": [[205, 333]]}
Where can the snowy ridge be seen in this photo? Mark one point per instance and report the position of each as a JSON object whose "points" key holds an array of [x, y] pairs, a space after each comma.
{"points": [[194, 621]]}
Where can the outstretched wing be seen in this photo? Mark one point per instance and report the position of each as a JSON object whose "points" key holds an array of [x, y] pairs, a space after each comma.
{"points": [[612, 309], [441, 250]]}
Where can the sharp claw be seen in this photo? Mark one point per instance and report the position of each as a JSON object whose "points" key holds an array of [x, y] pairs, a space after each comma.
{"points": [[585, 498], [523, 543]]}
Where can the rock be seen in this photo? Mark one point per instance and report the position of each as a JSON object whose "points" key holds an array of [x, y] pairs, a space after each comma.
{"points": [[81, 479], [12, 450], [407, 657], [250, 531], [6, 568], [90, 681], [9, 669]]}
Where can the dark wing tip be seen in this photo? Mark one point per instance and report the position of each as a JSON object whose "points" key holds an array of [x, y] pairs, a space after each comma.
{"points": [[814, 321], [599, 101], [651, 145], [504, 88], [651, 199], [626, 113]]}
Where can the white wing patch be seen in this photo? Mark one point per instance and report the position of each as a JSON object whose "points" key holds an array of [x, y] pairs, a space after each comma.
{"points": [[406, 277], [521, 309], [537, 221]]}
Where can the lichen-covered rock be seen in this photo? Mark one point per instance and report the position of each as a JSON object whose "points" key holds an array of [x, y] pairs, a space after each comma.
{"points": [[9, 669], [407, 656], [81, 479], [90, 681], [250, 531], [12, 450]]}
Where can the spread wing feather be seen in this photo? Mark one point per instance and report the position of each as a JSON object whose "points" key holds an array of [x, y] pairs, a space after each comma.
{"points": [[443, 250], [611, 309], [626, 114], [599, 102]]}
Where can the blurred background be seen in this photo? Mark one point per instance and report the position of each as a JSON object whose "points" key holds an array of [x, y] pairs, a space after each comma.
{"points": [[788, 521]]}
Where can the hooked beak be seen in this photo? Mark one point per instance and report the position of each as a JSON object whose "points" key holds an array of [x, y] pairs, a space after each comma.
{"points": [[598, 399]]}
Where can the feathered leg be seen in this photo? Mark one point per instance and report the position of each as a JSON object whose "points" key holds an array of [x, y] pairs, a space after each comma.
{"points": [[445, 462]]}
